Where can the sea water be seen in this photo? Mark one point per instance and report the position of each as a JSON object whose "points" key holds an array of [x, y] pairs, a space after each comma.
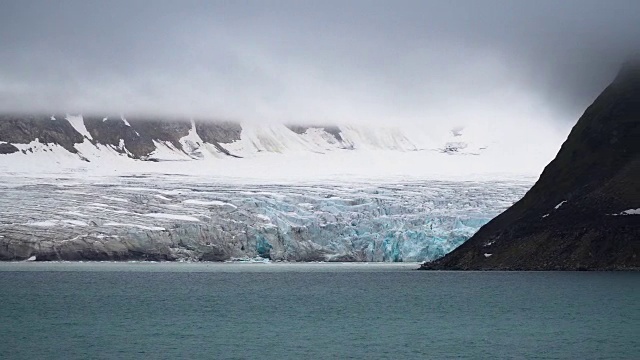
{"points": [[305, 311]]}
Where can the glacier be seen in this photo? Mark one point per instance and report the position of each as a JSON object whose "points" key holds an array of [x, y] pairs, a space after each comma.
{"points": [[193, 218], [100, 187]]}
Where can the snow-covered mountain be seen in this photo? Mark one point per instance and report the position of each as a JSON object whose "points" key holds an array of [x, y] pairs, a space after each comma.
{"points": [[119, 144], [93, 137]]}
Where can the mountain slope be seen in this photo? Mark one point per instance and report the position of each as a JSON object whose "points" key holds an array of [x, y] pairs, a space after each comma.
{"points": [[581, 213], [158, 139], [24, 129]]}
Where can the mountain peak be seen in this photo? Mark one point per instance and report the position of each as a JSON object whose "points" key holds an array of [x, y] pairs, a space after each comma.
{"points": [[629, 72], [569, 219]]}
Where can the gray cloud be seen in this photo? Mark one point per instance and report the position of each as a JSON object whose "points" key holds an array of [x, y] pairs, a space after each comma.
{"points": [[314, 61]]}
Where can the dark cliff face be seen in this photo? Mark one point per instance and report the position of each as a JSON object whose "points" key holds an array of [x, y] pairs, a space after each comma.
{"points": [[21, 129], [138, 134], [111, 130], [218, 133], [224, 132], [571, 218]]}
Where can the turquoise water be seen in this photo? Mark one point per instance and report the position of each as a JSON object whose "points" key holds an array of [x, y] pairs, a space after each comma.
{"points": [[304, 311]]}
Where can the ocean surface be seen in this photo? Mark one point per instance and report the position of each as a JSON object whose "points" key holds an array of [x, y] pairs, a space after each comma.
{"points": [[312, 311]]}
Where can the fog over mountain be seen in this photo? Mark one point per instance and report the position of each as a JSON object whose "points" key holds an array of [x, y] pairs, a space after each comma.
{"points": [[406, 62], [287, 130]]}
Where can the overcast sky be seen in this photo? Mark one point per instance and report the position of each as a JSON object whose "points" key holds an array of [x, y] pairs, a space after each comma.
{"points": [[418, 62]]}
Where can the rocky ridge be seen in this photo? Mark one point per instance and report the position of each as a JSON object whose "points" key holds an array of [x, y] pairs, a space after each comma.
{"points": [[584, 211], [136, 137]]}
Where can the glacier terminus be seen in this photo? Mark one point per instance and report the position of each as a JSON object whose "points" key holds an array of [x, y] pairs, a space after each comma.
{"points": [[170, 217]]}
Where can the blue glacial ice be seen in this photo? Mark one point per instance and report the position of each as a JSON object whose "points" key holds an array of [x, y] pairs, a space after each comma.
{"points": [[171, 218]]}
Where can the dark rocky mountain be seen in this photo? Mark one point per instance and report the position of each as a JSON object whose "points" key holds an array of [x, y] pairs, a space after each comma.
{"points": [[23, 129], [112, 129], [133, 137], [580, 214], [219, 133]]}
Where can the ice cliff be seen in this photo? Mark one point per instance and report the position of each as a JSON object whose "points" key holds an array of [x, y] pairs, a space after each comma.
{"points": [[164, 217]]}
